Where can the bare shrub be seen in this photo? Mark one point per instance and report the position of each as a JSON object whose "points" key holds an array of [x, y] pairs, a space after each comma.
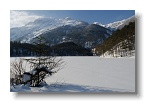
{"points": [[16, 71]]}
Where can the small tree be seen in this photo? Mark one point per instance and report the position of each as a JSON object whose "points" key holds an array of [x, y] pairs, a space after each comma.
{"points": [[42, 64]]}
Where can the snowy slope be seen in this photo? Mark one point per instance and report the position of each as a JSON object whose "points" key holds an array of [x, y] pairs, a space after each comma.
{"points": [[120, 24], [97, 23], [39, 26], [117, 24], [90, 74]]}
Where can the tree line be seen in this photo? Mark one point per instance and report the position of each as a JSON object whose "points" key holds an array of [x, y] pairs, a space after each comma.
{"points": [[18, 49]]}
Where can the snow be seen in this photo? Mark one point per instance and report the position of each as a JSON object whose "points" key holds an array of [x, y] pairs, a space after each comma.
{"points": [[109, 32], [26, 77], [39, 26], [128, 55], [118, 24], [63, 88], [97, 23], [89, 74]]}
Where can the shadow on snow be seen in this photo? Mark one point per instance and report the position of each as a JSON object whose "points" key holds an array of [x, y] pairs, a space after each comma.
{"points": [[60, 88]]}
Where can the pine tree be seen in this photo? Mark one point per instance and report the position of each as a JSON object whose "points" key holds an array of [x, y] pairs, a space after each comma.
{"points": [[42, 64]]}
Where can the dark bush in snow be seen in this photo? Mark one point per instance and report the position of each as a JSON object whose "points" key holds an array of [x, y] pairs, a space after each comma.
{"points": [[40, 65]]}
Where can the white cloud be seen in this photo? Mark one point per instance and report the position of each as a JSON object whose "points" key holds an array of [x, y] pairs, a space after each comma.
{"points": [[20, 18]]}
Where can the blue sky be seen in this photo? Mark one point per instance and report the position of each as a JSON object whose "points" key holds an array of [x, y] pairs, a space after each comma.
{"points": [[103, 16]]}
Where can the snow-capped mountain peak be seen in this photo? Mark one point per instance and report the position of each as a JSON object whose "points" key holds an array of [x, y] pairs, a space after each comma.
{"points": [[68, 18], [45, 25], [39, 26], [97, 23], [117, 24], [120, 24]]}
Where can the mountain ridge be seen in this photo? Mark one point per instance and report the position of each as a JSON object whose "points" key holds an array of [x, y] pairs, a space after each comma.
{"points": [[40, 26], [117, 24], [67, 29]]}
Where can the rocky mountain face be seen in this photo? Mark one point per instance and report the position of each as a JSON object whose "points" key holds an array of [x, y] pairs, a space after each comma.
{"points": [[57, 31], [94, 34], [85, 35]]}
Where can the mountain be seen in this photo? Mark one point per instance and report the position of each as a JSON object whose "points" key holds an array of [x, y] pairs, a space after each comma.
{"points": [[120, 44], [61, 30], [58, 31], [118, 24], [94, 34], [31, 30], [85, 35]]}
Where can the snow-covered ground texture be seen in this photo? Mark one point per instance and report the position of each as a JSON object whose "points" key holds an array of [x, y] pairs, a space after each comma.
{"points": [[121, 54], [89, 74]]}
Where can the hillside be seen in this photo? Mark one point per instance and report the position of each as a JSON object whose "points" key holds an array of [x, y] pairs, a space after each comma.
{"points": [[121, 42], [70, 49], [85, 35]]}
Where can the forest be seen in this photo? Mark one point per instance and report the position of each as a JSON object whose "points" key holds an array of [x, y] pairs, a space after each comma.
{"points": [[121, 40], [18, 49]]}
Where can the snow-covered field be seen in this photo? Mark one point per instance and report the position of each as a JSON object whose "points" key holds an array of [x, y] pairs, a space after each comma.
{"points": [[89, 74]]}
